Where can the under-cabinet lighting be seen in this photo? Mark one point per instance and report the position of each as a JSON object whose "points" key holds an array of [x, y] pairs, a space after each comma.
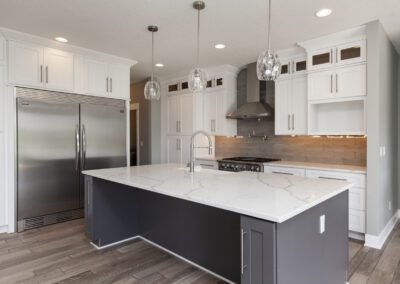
{"points": [[323, 13], [61, 39]]}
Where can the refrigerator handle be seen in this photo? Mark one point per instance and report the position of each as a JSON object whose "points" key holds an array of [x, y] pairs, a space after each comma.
{"points": [[77, 147], [83, 146]]}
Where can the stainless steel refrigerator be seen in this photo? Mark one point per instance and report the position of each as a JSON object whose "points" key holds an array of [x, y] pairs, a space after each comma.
{"points": [[58, 136]]}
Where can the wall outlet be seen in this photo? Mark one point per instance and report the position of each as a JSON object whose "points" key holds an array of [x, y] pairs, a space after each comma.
{"points": [[322, 224]]}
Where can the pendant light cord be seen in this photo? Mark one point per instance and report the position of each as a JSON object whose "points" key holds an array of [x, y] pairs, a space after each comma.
{"points": [[269, 24], [198, 37], [152, 56]]}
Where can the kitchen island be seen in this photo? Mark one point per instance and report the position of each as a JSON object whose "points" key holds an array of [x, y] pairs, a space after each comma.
{"points": [[243, 227]]}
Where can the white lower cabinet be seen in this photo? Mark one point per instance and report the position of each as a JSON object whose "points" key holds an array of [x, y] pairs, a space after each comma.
{"points": [[178, 150], [357, 192]]}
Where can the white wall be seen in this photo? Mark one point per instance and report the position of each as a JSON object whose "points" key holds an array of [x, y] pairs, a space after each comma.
{"points": [[382, 129]]}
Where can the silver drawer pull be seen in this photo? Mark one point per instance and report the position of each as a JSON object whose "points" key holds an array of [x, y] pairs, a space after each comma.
{"points": [[242, 265], [333, 178], [282, 173]]}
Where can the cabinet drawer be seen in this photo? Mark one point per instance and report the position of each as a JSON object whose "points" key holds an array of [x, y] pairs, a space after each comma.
{"points": [[357, 198], [358, 180], [207, 164], [284, 170], [357, 221]]}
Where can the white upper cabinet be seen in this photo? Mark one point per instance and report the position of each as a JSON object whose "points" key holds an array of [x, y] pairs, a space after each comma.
{"points": [[119, 80], [2, 98], [291, 106], [97, 78], [26, 64], [321, 58], [58, 70], [107, 80], [180, 114], [37, 66], [350, 53], [351, 81], [321, 85]]}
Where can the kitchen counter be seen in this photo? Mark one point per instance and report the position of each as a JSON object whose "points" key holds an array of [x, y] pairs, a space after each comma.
{"points": [[320, 166], [218, 219], [270, 197]]}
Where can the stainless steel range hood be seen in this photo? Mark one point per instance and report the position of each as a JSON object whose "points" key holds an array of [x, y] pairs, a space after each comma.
{"points": [[256, 106]]}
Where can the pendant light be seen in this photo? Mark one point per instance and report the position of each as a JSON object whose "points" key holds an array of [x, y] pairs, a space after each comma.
{"points": [[197, 76], [268, 64], [152, 90]]}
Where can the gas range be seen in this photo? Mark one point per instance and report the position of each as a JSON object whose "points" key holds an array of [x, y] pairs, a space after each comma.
{"points": [[239, 164]]}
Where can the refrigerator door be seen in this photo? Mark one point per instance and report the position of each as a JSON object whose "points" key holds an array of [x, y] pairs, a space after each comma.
{"points": [[103, 138], [48, 158]]}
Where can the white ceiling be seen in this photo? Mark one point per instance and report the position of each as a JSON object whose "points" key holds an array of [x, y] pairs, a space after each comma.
{"points": [[119, 26]]}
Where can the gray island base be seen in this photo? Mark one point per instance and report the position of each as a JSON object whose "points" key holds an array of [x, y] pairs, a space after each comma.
{"points": [[309, 248]]}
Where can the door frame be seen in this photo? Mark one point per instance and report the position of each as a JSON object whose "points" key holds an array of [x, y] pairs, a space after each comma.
{"points": [[136, 106]]}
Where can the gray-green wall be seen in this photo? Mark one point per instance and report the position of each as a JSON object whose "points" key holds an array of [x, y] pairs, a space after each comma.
{"points": [[382, 130]]}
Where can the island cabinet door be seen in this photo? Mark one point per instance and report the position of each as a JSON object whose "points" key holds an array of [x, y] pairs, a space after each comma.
{"points": [[258, 251]]}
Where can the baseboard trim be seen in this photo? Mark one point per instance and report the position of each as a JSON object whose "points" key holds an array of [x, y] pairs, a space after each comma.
{"points": [[357, 236], [166, 250], [377, 242], [3, 229]]}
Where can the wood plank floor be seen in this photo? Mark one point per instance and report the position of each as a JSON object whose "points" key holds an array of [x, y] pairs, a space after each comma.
{"points": [[61, 254]]}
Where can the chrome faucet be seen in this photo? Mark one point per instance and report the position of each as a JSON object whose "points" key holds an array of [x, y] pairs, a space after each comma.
{"points": [[192, 147]]}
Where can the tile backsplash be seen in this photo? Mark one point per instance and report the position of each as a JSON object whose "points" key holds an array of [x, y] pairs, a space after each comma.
{"points": [[346, 151]]}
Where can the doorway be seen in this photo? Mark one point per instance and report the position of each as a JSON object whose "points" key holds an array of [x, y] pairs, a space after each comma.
{"points": [[134, 134]]}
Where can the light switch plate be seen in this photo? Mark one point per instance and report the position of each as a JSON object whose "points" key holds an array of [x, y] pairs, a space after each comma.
{"points": [[322, 224]]}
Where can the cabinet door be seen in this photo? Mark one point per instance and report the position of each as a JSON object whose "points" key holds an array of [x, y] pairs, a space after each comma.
{"points": [[97, 74], [320, 59], [2, 49], [282, 114], [26, 64], [300, 65], [119, 81], [173, 114], [286, 69], [299, 105], [351, 81], [174, 149], [210, 112], [350, 53], [58, 70], [186, 115], [2, 98], [258, 251], [321, 85]]}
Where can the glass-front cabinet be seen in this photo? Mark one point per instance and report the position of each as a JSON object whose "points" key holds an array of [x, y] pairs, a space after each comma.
{"points": [[293, 66], [348, 53]]}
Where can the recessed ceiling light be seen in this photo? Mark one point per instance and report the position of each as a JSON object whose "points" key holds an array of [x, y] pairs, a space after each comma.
{"points": [[323, 13], [61, 39], [159, 65], [220, 46]]}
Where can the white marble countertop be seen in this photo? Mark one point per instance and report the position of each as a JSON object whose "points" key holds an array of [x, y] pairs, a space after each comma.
{"points": [[270, 197], [320, 166]]}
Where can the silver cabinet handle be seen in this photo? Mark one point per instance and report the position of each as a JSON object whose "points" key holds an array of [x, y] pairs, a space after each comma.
{"points": [[212, 125], [337, 84], [283, 173], [288, 121], [89, 190], [331, 83], [180, 126], [83, 146], [77, 147], [176, 126], [242, 265], [41, 73], [107, 84], [331, 56], [293, 70], [292, 121], [343, 179], [47, 74], [110, 85]]}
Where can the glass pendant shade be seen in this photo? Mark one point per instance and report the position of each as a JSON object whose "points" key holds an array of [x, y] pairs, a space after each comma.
{"points": [[268, 66], [152, 90], [197, 80]]}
